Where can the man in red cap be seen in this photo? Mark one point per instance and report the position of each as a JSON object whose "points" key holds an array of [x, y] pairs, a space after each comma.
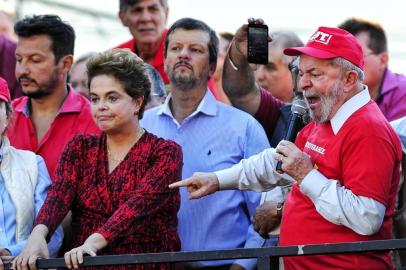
{"points": [[344, 184], [24, 182]]}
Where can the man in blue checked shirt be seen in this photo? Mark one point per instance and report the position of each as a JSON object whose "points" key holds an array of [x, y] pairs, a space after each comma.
{"points": [[213, 136]]}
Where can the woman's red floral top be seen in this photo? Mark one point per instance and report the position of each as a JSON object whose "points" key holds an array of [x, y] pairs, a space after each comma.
{"points": [[132, 207]]}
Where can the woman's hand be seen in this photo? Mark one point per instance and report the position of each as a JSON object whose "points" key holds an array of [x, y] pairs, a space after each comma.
{"points": [[36, 247], [93, 243], [74, 257]]}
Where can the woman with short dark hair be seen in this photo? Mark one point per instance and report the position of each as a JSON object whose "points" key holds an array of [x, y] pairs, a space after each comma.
{"points": [[115, 184]]}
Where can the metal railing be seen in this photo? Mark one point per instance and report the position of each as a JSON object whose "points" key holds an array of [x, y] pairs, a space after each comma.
{"points": [[267, 257]]}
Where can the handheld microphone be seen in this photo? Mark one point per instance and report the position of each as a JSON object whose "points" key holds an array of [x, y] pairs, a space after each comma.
{"points": [[299, 109]]}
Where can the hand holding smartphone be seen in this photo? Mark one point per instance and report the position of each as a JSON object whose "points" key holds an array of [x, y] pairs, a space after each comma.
{"points": [[257, 43]]}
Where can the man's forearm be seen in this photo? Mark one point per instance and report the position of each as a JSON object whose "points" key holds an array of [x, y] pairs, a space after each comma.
{"points": [[238, 81], [255, 173]]}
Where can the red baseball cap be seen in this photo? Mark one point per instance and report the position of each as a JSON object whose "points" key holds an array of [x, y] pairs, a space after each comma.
{"points": [[4, 91], [328, 42]]}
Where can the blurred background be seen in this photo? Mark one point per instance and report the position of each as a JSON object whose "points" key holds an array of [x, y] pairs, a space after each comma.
{"points": [[98, 27]]}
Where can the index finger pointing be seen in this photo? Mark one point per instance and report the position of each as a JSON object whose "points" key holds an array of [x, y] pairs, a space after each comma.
{"points": [[183, 183]]}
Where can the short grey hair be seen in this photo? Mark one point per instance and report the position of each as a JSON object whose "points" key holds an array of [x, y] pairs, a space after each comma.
{"points": [[346, 65]]}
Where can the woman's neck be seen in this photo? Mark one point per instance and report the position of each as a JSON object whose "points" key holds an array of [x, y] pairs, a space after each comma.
{"points": [[119, 145], [124, 140]]}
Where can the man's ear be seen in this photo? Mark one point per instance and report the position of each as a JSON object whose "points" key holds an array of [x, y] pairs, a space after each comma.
{"points": [[123, 18], [66, 62], [383, 59], [350, 80]]}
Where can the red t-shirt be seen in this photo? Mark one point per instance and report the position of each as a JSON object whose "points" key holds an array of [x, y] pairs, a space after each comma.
{"points": [[364, 156], [73, 118], [158, 62]]}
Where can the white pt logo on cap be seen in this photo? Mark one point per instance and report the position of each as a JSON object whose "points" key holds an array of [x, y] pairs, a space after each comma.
{"points": [[321, 37]]}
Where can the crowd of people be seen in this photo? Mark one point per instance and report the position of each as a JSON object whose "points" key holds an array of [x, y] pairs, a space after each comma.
{"points": [[170, 142]]}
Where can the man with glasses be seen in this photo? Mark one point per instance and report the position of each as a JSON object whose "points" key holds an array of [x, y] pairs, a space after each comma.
{"points": [[386, 88]]}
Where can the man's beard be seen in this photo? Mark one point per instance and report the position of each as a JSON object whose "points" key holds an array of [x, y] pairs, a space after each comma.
{"points": [[44, 89], [327, 103], [187, 81]]}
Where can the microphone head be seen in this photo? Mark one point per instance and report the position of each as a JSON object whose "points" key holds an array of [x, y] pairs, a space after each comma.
{"points": [[299, 105]]}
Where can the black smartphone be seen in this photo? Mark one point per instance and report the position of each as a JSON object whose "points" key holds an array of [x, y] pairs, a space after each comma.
{"points": [[257, 44]]}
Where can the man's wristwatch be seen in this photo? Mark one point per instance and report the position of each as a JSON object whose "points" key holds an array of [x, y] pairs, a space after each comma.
{"points": [[279, 208]]}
